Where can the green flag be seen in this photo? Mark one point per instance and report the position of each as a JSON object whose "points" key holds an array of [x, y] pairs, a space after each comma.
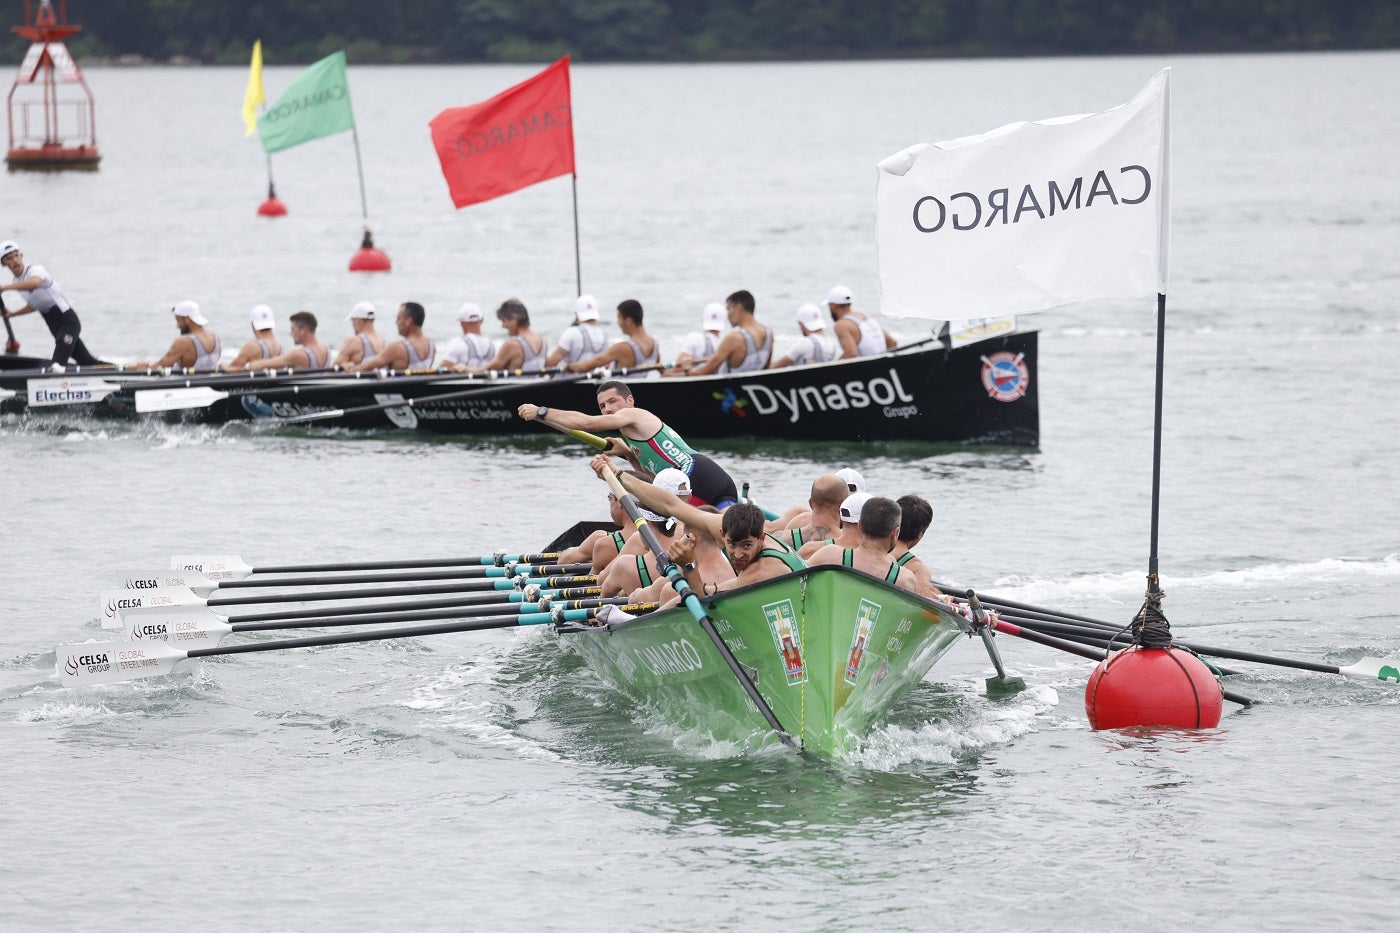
{"points": [[317, 104]]}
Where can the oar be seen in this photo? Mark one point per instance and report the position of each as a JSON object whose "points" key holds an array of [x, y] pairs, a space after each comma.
{"points": [[413, 402], [692, 603], [197, 627], [232, 567], [1011, 629], [116, 611], [1000, 684], [202, 394], [354, 579], [114, 661], [11, 344]]}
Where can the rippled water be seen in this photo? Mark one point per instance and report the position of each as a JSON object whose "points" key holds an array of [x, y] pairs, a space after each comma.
{"points": [[488, 780]]}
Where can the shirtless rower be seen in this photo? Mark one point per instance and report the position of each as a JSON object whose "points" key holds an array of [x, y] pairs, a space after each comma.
{"points": [[848, 535], [858, 334], [364, 342], [196, 349], [879, 529], [746, 348], [915, 515], [263, 346], [309, 353], [646, 441], [523, 349], [635, 348], [414, 352], [581, 339]]}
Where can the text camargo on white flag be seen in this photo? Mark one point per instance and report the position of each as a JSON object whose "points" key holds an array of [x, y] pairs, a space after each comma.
{"points": [[1029, 216]]}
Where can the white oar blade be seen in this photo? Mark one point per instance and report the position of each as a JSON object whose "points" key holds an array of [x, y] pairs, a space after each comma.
{"points": [[156, 579], [116, 604], [185, 627], [217, 567], [149, 400], [69, 390], [1373, 669], [113, 661]]}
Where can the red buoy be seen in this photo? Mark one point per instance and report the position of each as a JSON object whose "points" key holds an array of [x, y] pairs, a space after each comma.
{"points": [[369, 259], [1153, 687], [272, 207]]}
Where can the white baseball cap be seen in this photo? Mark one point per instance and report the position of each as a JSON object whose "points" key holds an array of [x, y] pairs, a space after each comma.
{"points": [[839, 295], [363, 311], [853, 480], [809, 317], [714, 316], [190, 310], [850, 509], [470, 311], [262, 318], [586, 308], [8, 247], [673, 481]]}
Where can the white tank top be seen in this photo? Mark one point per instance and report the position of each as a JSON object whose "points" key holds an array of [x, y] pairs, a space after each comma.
{"points": [[754, 358], [205, 362], [872, 337], [419, 362]]}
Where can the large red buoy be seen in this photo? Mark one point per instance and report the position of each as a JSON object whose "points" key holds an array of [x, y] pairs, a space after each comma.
{"points": [[1153, 687], [272, 207], [369, 259]]}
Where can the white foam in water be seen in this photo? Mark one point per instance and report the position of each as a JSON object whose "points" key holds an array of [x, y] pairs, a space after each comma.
{"points": [[64, 712]]}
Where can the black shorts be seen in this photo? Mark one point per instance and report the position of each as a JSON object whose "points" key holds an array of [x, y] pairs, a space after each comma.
{"points": [[710, 484]]}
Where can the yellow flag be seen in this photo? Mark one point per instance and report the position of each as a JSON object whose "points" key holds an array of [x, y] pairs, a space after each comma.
{"points": [[254, 95]]}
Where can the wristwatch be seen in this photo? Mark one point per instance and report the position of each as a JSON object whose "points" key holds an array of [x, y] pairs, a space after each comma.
{"points": [[541, 411], [688, 568]]}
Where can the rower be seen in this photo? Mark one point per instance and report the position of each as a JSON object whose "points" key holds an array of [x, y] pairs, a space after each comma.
{"points": [[746, 348], [263, 346], [797, 517], [707, 555], [915, 515], [879, 530], [41, 293], [858, 334], [700, 345], [814, 346], [196, 350], [849, 533], [414, 352], [583, 338], [471, 349], [602, 547], [648, 442], [364, 342], [636, 566], [523, 349], [309, 353], [823, 518], [633, 350]]}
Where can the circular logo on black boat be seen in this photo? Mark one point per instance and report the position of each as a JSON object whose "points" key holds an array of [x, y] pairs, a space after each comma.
{"points": [[1005, 376]]}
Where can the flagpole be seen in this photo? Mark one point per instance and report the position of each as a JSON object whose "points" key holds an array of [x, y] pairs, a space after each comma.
{"points": [[359, 170], [578, 262], [1150, 625]]}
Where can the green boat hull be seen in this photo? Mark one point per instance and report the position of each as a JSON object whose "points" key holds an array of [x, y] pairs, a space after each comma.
{"points": [[830, 650]]}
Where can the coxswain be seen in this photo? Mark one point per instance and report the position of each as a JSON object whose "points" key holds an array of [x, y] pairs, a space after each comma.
{"points": [[814, 346], [648, 442], [700, 345], [263, 346], [523, 349], [414, 352], [746, 348], [858, 334], [634, 350], [363, 342], [581, 339], [40, 293], [196, 350], [309, 353], [879, 530], [472, 349]]}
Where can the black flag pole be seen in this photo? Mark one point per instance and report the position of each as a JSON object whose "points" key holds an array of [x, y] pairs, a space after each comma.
{"points": [[1150, 626]]}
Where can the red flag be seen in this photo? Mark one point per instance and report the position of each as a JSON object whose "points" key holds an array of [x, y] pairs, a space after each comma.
{"points": [[522, 135]]}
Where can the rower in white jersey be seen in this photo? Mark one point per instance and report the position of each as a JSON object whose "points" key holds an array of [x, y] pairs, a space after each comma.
{"points": [[815, 345], [364, 342], [40, 293], [700, 345], [414, 352], [634, 350], [196, 349], [523, 349], [858, 334], [472, 349], [746, 348], [263, 346], [309, 353], [581, 339]]}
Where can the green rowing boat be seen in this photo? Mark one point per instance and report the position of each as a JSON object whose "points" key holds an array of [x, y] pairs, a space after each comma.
{"points": [[830, 650]]}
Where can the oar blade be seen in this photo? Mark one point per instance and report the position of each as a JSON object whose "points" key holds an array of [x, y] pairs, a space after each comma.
{"points": [[1381, 669], [187, 627], [176, 399], [113, 661], [113, 605], [68, 390], [217, 567], [156, 579]]}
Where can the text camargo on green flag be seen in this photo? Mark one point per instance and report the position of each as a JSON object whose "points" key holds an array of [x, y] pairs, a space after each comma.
{"points": [[316, 104]]}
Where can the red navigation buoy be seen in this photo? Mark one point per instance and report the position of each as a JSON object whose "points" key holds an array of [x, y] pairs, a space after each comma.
{"points": [[369, 259], [53, 122], [272, 207], [1153, 687]]}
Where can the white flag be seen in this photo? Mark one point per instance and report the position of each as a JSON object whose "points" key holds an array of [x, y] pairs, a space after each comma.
{"points": [[1029, 216]]}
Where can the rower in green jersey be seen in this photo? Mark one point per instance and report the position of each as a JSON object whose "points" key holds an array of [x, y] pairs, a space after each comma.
{"points": [[879, 530], [647, 441], [915, 515]]}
